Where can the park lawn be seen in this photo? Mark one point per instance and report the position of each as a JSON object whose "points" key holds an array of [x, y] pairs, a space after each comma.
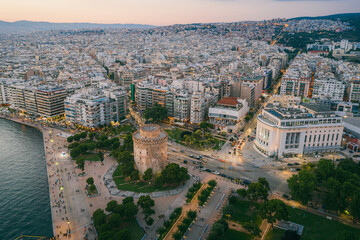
{"points": [[243, 214], [233, 234], [316, 227], [275, 234], [134, 229], [218, 145], [175, 134], [90, 157]]}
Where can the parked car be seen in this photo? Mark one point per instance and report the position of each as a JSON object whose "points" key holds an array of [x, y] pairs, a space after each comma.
{"points": [[216, 172]]}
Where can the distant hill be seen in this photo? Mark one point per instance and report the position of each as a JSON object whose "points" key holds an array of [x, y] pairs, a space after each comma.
{"points": [[333, 16], [29, 26]]}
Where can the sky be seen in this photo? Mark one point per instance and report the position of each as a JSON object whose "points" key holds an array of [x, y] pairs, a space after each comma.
{"points": [[167, 12]]}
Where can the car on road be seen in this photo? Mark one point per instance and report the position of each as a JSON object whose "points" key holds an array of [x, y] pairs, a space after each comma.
{"points": [[351, 151], [216, 172], [290, 164], [296, 163], [192, 156], [185, 161]]}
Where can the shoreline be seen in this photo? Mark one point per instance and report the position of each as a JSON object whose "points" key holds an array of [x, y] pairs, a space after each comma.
{"points": [[70, 216], [42, 130]]}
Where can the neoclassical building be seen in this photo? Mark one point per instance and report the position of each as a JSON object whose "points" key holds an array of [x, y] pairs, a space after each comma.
{"points": [[303, 129], [150, 148]]}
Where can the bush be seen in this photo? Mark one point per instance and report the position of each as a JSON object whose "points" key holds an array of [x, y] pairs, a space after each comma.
{"points": [[90, 181]]}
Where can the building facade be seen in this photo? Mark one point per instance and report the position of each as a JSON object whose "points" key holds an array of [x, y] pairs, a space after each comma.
{"points": [[305, 129]]}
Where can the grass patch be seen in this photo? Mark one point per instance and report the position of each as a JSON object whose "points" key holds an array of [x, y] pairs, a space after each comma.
{"points": [[275, 234], [134, 229], [315, 227], [94, 192], [123, 184], [233, 234], [90, 157], [199, 142], [218, 145], [244, 213]]}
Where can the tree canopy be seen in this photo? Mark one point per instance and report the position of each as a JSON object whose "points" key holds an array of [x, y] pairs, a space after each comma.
{"points": [[156, 113]]}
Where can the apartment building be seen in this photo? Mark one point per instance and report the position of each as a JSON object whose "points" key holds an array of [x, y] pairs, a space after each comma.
{"points": [[41, 100], [328, 88], [197, 108], [93, 107], [228, 113], [182, 106], [354, 93], [299, 130]]}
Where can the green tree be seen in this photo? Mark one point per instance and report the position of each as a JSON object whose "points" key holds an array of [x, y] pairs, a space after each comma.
{"points": [[92, 188], [173, 175], [302, 186], [92, 135], [232, 200], [111, 206], [229, 210], [81, 163], [101, 156], [241, 192], [70, 139], [354, 205], [156, 113], [146, 202], [325, 169], [149, 221], [212, 183], [333, 197], [115, 220], [123, 234], [135, 175], [90, 181], [130, 210], [99, 217], [273, 210], [148, 174], [83, 135]]}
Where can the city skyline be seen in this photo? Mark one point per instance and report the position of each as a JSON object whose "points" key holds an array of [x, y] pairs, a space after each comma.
{"points": [[161, 12]]}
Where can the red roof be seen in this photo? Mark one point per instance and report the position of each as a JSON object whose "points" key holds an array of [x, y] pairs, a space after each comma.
{"points": [[232, 101]]}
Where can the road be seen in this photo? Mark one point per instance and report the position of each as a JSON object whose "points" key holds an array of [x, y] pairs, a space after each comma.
{"points": [[241, 167]]}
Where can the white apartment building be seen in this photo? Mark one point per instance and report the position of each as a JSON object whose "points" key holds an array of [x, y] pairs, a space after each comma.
{"points": [[328, 88], [92, 107], [197, 108], [295, 86], [182, 106], [228, 113], [304, 129], [354, 94]]}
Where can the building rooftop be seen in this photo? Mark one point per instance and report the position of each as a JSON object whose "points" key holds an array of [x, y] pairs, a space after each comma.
{"points": [[230, 101]]}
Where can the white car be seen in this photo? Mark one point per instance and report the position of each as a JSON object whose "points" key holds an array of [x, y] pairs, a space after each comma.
{"points": [[216, 172]]}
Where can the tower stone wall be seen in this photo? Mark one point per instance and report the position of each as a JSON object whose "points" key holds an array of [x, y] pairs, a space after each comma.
{"points": [[150, 148]]}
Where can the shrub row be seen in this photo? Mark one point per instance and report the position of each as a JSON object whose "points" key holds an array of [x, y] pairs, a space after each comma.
{"points": [[169, 223], [192, 191]]}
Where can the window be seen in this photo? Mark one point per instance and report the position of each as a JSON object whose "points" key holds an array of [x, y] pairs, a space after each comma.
{"points": [[305, 138]]}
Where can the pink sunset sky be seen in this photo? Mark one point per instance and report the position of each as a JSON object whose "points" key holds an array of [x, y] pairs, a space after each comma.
{"points": [[166, 12]]}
